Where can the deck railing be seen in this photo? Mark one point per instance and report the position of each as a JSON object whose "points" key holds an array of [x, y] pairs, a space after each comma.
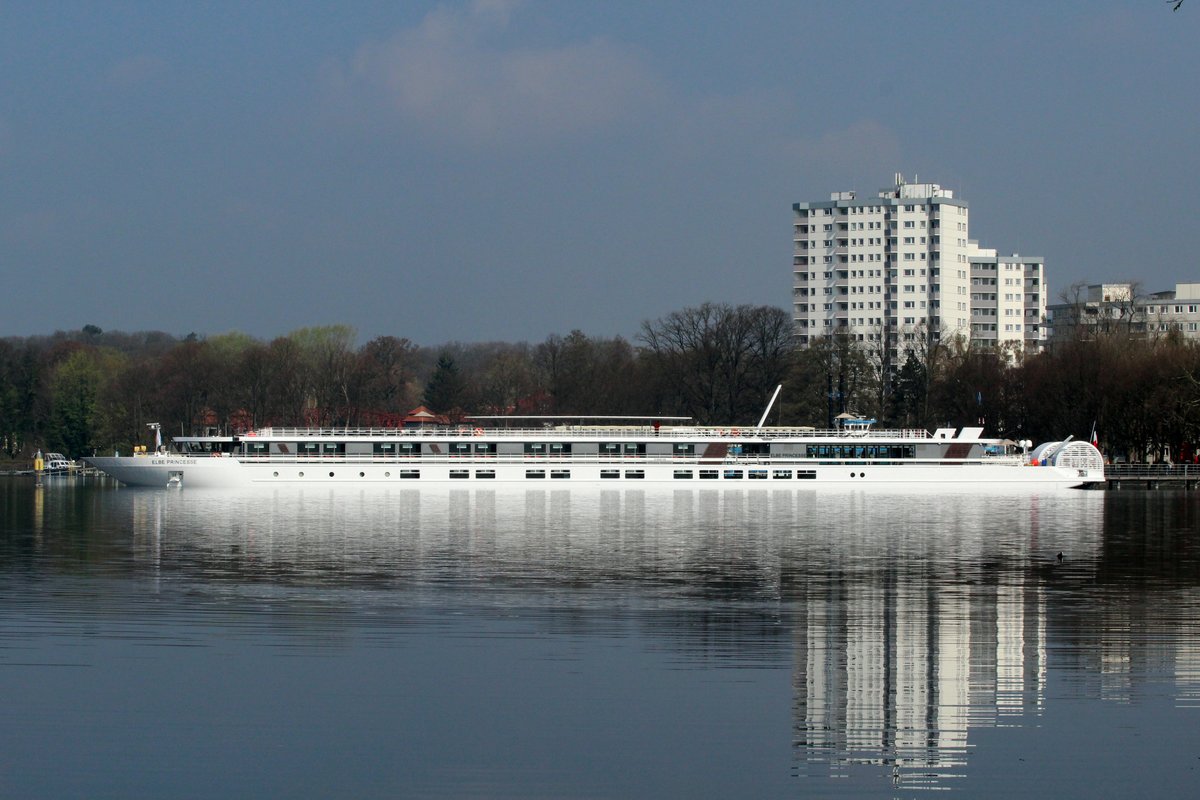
{"points": [[1185, 471], [697, 460], [640, 431]]}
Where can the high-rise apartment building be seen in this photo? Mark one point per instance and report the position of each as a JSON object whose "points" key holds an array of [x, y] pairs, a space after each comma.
{"points": [[900, 268]]}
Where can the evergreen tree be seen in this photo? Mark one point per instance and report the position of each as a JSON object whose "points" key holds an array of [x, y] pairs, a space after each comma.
{"points": [[446, 389]]}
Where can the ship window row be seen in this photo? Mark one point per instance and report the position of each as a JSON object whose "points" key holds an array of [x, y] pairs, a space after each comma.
{"points": [[860, 451], [611, 449], [610, 474], [753, 474], [457, 448]]}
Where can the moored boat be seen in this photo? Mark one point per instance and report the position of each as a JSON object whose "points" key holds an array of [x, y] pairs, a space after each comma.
{"points": [[628, 451]]}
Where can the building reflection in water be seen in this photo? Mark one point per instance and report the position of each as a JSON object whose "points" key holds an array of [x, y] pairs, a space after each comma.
{"points": [[896, 672]]}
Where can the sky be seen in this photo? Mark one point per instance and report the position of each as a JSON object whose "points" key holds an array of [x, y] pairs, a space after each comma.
{"points": [[497, 170]]}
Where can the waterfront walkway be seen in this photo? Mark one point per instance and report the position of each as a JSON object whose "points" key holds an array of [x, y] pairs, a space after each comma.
{"points": [[1152, 476]]}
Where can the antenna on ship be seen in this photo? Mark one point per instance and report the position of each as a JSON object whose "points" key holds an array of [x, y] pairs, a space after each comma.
{"points": [[768, 411]]}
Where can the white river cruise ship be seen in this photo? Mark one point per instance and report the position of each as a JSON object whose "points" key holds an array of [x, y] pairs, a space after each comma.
{"points": [[627, 451]]}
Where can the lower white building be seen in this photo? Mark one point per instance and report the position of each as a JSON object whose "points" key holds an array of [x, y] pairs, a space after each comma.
{"points": [[1117, 308]]}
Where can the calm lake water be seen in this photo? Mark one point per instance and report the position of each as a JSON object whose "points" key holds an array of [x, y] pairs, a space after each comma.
{"points": [[596, 643]]}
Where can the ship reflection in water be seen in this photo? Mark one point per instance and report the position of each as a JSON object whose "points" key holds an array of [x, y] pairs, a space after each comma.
{"points": [[909, 625]]}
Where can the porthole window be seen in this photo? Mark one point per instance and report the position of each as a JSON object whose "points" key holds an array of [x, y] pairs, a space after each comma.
{"points": [[387, 474], [301, 474], [362, 474], [331, 474], [276, 474]]}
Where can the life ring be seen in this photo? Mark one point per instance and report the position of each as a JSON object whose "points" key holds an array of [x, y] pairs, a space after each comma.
{"points": [[479, 431]]}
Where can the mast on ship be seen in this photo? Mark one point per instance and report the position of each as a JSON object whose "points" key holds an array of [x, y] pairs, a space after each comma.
{"points": [[768, 411]]}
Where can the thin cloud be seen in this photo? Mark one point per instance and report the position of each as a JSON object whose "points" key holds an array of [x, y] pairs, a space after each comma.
{"points": [[456, 75], [864, 144], [135, 71]]}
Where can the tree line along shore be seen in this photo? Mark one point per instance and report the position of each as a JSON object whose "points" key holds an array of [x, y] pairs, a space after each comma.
{"points": [[93, 391]]}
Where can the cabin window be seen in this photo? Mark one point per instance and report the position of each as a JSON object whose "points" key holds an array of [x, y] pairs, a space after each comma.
{"points": [[384, 448], [560, 473], [535, 473], [732, 474], [307, 449], [606, 474], [681, 449], [683, 474], [806, 474], [635, 473], [622, 448], [333, 448], [408, 448], [758, 474], [257, 448], [485, 473], [485, 448], [546, 448], [410, 473], [708, 474], [459, 474], [781, 473], [459, 448]]}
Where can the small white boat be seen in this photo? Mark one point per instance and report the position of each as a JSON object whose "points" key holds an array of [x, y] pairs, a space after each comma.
{"points": [[57, 464]]}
